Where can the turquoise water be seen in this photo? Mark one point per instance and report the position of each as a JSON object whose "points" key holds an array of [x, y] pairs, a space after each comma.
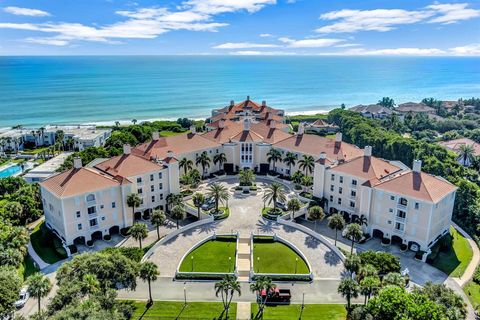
{"points": [[43, 90], [10, 171]]}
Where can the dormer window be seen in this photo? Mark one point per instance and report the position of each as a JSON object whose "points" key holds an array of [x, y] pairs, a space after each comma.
{"points": [[91, 197], [402, 201]]}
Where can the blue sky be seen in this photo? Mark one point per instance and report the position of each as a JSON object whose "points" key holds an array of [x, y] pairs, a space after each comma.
{"points": [[239, 27]]}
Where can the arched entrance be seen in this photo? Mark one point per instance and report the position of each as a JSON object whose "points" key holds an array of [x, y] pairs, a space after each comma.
{"points": [[79, 241], [138, 215], [97, 235], [414, 246], [146, 214], [377, 234], [397, 240], [114, 230]]}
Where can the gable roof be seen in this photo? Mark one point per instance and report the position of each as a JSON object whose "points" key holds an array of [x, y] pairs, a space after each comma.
{"points": [[247, 136], [370, 168], [454, 145], [371, 108], [418, 185], [414, 107], [79, 181], [179, 144], [127, 165], [314, 145]]}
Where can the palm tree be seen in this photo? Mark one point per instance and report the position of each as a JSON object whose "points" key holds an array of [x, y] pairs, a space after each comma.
{"points": [[158, 219], [290, 160], [362, 220], [59, 138], [293, 205], [307, 181], [274, 193], [219, 193], [297, 177], [149, 273], [173, 200], [246, 177], [198, 200], [316, 213], [203, 160], [348, 288], [307, 163], [394, 279], [274, 155], [38, 286], [134, 121], [139, 231], [368, 286], [336, 222], [227, 288], [352, 263], [354, 233], [178, 213], [220, 158], [186, 164], [133, 201], [367, 270], [70, 143], [387, 102], [260, 284], [117, 123], [466, 153]]}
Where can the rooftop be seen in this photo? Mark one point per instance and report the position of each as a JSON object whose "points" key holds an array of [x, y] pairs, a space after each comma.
{"points": [[455, 145]]}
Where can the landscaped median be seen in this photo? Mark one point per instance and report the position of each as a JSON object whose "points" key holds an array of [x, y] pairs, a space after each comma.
{"points": [[222, 213], [279, 260], [178, 310], [309, 312], [210, 259], [271, 213]]}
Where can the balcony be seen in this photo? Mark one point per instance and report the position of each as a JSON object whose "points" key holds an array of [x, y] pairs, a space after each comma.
{"points": [[401, 206], [399, 219], [400, 232], [95, 227], [353, 186]]}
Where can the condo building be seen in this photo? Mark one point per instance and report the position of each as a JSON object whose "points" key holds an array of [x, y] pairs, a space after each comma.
{"points": [[402, 204]]}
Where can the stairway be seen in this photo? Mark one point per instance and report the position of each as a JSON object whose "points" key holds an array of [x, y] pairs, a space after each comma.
{"points": [[243, 260]]}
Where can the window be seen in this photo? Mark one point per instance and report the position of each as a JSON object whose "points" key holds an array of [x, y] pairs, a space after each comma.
{"points": [[161, 196], [103, 218], [354, 182], [390, 210], [101, 206], [332, 188], [331, 198], [93, 222], [92, 210], [402, 201], [401, 214], [399, 226], [139, 191], [340, 190], [389, 221], [353, 193], [339, 200], [90, 197], [79, 226], [160, 186], [151, 177], [113, 205], [341, 179], [352, 204], [152, 188], [153, 198], [139, 180], [332, 177], [50, 207], [392, 198], [78, 214], [159, 175], [417, 205]]}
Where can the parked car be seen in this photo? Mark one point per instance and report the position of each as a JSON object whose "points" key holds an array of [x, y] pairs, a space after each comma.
{"points": [[281, 205], [209, 204], [23, 297], [277, 295]]}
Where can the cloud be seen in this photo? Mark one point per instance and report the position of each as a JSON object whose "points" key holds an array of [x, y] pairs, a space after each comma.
{"points": [[262, 53], [396, 52], [310, 43], [265, 35], [383, 20], [26, 12], [244, 45], [468, 50], [144, 23]]}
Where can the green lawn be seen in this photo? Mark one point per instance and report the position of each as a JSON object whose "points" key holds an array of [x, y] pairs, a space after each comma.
{"points": [[455, 261], [310, 312], [44, 243], [176, 310], [276, 257], [27, 268], [212, 256], [472, 290], [166, 133]]}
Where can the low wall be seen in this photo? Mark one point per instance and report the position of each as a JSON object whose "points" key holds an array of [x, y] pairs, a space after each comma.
{"points": [[175, 233]]}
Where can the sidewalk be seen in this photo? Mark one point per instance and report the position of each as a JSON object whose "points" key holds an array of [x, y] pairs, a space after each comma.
{"points": [[468, 274], [40, 263]]}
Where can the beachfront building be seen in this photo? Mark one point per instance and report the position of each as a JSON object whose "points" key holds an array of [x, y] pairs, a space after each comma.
{"points": [[457, 144], [374, 111], [400, 204], [321, 126], [414, 108]]}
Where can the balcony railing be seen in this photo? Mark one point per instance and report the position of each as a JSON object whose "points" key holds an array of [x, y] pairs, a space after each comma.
{"points": [[354, 186], [401, 206], [398, 231], [399, 218]]}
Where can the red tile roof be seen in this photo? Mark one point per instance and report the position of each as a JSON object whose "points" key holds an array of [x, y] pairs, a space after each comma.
{"points": [[454, 145], [128, 165], [369, 168]]}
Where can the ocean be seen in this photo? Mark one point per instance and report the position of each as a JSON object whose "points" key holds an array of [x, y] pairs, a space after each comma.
{"points": [[36, 91]]}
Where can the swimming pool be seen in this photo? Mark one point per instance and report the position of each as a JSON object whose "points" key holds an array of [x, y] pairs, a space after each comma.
{"points": [[10, 171]]}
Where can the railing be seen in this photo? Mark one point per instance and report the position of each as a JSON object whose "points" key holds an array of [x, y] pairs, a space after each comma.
{"points": [[401, 206], [398, 218]]}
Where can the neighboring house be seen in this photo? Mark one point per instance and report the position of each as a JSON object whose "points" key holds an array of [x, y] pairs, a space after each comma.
{"points": [[407, 206], [374, 111], [413, 107], [47, 169], [455, 145], [321, 125]]}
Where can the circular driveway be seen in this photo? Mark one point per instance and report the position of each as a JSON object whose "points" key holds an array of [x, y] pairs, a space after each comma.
{"points": [[245, 218]]}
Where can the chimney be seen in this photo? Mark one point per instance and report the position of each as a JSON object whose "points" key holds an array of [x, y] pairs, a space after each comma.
{"points": [[301, 128], [264, 103], [273, 124], [170, 154], [338, 137], [232, 103], [77, 163], [248, 98], [193, 129], [270, 116], [126, 149], [155, 136], [246, 125], [323, 155], [367, 151], [221, 124], [417, 166]]}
